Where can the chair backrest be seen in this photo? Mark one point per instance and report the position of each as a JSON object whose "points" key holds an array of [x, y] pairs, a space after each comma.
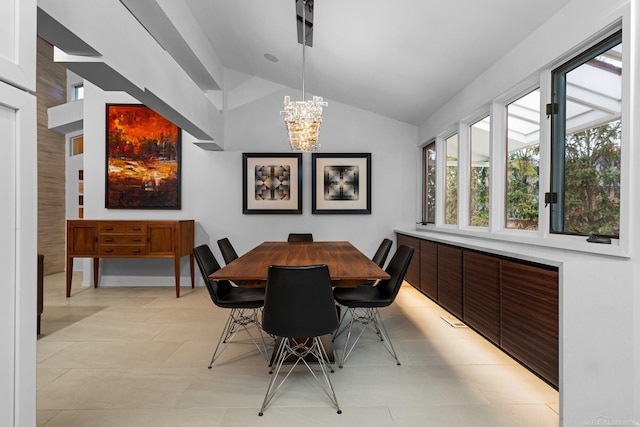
{"points": [[397, 269], [300, 237], [228, 253], [382, 253], [299, 302], [208, 264]]}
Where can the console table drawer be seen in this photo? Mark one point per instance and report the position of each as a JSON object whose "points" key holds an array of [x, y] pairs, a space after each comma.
{"points": [[123, 250], [122, 239], [121, 228]]}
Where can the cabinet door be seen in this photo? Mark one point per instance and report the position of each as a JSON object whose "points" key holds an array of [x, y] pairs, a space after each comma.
{"points": [[413, 272], [481, 294], [82, 239], [161, 239], [429, 269], [450, 279], [530, 317]]}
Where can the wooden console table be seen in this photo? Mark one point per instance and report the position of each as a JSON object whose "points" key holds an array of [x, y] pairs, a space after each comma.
{"points": [[129, 239]]}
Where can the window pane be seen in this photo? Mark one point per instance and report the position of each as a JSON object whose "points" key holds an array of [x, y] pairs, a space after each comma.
{"points": [[523, 149], [78, 92], [429, 161], [479, 185], [451, 191], [589, 94]]}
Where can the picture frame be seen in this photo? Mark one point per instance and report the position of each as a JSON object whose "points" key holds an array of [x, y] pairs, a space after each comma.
{"points": [[272, 183], [143, 159], [341, 183]]}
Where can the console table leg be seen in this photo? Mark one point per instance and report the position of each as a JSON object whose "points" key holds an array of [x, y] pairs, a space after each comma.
{"points": [[96, 266], [176, 266], [69, 275]]}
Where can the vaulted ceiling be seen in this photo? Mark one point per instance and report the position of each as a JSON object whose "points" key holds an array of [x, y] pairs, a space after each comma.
{"points": [[401, 58]]}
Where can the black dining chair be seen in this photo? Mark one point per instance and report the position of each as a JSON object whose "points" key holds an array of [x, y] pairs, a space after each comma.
{"points": [[300, 237], [364, 301], [228, 252], [299, 308], [245, 303], [380, 257]]}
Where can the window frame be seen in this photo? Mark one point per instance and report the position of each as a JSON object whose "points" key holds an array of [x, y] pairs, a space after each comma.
{"points": [[469, 124], [431, 145], [541, 79], [557, 108]]}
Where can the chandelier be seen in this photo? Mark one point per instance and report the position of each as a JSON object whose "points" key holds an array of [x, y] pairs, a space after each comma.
{"points": [[303, 118]]}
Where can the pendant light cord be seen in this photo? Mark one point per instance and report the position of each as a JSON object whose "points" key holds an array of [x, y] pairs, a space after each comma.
{"points": [[304, 41]]}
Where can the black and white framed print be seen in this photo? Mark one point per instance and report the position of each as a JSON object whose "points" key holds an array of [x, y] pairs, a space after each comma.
{"points": [[272, 183], [341, 183]]}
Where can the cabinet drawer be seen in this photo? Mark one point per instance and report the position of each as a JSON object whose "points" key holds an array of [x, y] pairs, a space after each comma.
{"points": [[132, 250], [129, 228], [122, 239]]}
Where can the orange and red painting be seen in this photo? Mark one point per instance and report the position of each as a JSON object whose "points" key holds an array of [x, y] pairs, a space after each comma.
{"points": [[143, 159]]}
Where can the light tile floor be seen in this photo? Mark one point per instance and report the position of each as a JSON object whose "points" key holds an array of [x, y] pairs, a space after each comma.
{"points": [[138, 356]]}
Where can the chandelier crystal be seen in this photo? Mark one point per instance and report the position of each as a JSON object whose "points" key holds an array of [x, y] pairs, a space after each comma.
{"points": [[303, 118]]}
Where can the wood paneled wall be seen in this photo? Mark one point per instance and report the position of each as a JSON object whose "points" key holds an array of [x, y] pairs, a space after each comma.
{"points": [[50, 91]]}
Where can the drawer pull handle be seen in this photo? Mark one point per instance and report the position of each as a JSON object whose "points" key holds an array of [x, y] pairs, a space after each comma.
{"points": [[136, 251], [108, 250], [136, 240], [136, 228], [108, 228], [108, 240]]}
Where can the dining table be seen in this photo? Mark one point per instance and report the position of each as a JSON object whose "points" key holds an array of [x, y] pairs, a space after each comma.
{"points": [[348, 266]]}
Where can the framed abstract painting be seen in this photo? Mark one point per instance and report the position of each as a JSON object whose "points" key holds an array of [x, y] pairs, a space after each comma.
{"points": [[272, 183], [142, 159], [341, 183]]}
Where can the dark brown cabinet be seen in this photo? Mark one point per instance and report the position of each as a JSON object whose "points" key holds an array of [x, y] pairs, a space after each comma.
{"points": [[530, 317], [413, 273], [513, 303], [429, 268], [481, 294], [129, 239], [450, 279]]}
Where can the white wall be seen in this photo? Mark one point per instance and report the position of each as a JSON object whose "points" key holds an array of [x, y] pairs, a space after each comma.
{"points": [[599, 300], [212, 182], [18, 216]]}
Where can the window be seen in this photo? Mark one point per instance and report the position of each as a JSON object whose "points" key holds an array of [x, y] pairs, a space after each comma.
{"points": [[585, 141], [523, 162], [77, 92], [429, 184], [451, 180], [479, 184]]}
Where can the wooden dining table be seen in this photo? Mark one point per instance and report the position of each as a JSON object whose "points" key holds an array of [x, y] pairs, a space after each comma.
{"points": [[348, 266]]}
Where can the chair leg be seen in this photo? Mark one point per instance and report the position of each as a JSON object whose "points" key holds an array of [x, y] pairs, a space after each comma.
{"points": [[368, 318], [299, 350], [341, 326], [240, 318]]}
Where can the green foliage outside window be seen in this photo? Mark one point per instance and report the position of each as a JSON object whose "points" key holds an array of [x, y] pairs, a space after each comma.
{"points": [[522, 188], [451, 199], [592, 181], [479, 212]]}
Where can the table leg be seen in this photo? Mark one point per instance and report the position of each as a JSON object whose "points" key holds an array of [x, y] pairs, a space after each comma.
{"points": [[176, 267], [69, 275], [96, 270], [192, 270]]}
